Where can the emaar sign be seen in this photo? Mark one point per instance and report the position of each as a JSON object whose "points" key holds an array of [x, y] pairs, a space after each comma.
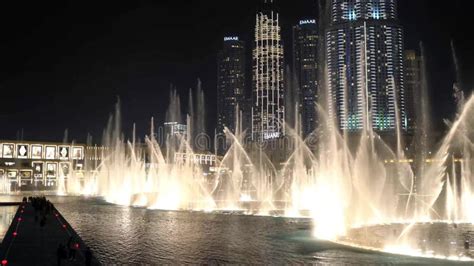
{"points": [[233, 38], [271, 135], [307, 21]]}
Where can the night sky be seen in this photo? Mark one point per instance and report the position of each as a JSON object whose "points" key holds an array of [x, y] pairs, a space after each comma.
{"points": [[64, 63]]}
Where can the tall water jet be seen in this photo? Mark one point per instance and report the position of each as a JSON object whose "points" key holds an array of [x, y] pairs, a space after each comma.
{"points": [[342, 182], [173, 116], [323, 94], [457, 66], [298, 178], [435, 178], [144, 174], [234, 182], [333, 181], [197, 113], [292, 96], [173, 113], [458, 89], [422, 148]]}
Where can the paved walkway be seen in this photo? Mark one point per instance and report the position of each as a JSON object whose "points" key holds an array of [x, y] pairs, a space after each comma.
{"points": [[27, 243]]}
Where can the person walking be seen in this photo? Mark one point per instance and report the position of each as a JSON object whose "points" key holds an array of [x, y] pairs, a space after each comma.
{"points": [[71, 246], [88, 255], [60, 254]]}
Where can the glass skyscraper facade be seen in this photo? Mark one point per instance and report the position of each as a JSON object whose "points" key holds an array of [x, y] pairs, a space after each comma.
{"points": [[364, 49], [305, 66], [268, 111], [230, 83]]}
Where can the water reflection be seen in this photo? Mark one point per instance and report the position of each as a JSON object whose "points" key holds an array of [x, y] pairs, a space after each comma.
{"points": [[125, 235], [6, 216]]}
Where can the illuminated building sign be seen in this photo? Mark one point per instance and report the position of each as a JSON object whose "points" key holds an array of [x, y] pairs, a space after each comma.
{"points": [[22, 151], [12, 174], [272, 135], [8, 150], [233, 38], [307, 21], [51, 169], [36, 151], [38, 170], [77, 153], [64, 168], [63, 153], [25, 174], [50, 152], [42, 164]]}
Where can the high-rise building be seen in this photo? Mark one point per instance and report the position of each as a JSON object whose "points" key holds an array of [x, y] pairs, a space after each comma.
{"points": [[173, 129], [364, 49], [230, 83], [268, 111], [413, 83], [305, 66]]}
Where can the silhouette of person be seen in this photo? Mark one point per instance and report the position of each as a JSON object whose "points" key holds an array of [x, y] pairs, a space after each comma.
{"points": [[72, 248], [43, 221], [60, 254], [88, 255]]}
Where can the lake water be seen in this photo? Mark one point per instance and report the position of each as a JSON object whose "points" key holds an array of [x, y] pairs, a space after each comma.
{"points": [[126, 235]]}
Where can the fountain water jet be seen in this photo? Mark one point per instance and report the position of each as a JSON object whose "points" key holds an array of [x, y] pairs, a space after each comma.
{"points": [[345, 180]]}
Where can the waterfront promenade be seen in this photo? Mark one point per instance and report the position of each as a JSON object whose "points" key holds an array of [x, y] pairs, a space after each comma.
{"points": [[35, 237]]}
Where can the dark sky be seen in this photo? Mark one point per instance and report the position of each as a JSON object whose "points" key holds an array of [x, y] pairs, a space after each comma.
{"points": [[63, 63]]}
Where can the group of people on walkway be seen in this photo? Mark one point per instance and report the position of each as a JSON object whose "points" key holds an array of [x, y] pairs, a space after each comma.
{"points": [[43, 209]]}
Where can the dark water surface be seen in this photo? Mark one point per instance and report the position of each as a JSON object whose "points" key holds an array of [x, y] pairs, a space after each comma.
{"points": [[125, 235]]}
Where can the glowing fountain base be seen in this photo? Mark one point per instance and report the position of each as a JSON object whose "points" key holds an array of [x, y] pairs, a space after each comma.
{"points": [[439, 240], [249, 207]]}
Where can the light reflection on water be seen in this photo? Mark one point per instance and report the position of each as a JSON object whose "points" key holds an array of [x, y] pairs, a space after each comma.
{"points": [[124, 235], [6, 216]]}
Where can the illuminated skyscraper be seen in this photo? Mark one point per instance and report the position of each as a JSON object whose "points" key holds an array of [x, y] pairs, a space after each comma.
{"points": [[305, 49], [365, 65], [230, 82], [268, 111]]}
